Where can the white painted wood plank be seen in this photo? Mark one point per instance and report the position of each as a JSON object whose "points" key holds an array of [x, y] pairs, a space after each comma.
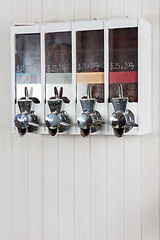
{"points": [[150, 189], [34, 187], [19, 187], [5, 125], [115, 161], [66, 187], [20, 161], [133, 8], [50, 160], [100, 11], [65, 10], [34, 14], [115, 188], [133, 164], [116, 9], [50, 11], [19, 11], [132, 186], [150, 143], [98, 161], [5, 183], [82, 158], [34, 11], [99, 198], [66, 158], [81, 10], [50, 188], [5, 170], [82, 188], [98, 188]]}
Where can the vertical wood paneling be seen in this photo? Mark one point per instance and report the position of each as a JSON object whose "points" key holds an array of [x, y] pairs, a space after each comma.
{"points": [[20, 162], [116, 8], [50, 11], [100, 11], [5, 184], [50, 160], [66, 158], [19, 11], [99, 198], [82, 160], [81, 10], [34, 13], [115, 189], [150, 143], [5, 125], [150, 190], [34, 188], [116, 162], [133, 164], [98, 188], [66, 188], [82, 188], [50, 188], [132, 181], [133, 8], [19, 187], [65, 10]]}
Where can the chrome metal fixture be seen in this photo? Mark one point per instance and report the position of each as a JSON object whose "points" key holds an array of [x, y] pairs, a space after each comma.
{"points": [[57, 121], [122, 119], [90, 120], [27, 120]]}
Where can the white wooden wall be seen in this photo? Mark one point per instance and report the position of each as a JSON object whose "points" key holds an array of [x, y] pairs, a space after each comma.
{"points": [[69, 188]]}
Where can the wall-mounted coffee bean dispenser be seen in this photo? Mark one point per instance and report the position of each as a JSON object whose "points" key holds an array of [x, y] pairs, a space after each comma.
{"points": [[99, 55], [90, 120], [57, 49], [129, 64], [26, 71], [90, 69]]}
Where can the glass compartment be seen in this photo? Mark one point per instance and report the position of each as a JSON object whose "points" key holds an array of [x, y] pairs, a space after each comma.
{"points": [[58, 50], [123, 62], [58, 63], [27, 65], [27, 58], [90, 63]]}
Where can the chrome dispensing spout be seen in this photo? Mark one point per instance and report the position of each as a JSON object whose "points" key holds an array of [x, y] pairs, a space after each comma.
{"points": [[57, 121], [122, 119], [89, 120], [27, 120]]}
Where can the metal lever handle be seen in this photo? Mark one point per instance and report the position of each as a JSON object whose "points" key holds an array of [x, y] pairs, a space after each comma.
{"points": [[61, 92], [26, 92], [89, 92], [56, 92], [120, 90]]}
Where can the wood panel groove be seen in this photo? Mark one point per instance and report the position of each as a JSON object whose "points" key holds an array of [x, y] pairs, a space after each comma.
{"points": [[20, 157], [116, 187], [98, 187], [74, 156], [58, 189], [150, 158]]}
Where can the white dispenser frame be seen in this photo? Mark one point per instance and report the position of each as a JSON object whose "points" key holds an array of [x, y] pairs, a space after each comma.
{"points": [[141, 110]]}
